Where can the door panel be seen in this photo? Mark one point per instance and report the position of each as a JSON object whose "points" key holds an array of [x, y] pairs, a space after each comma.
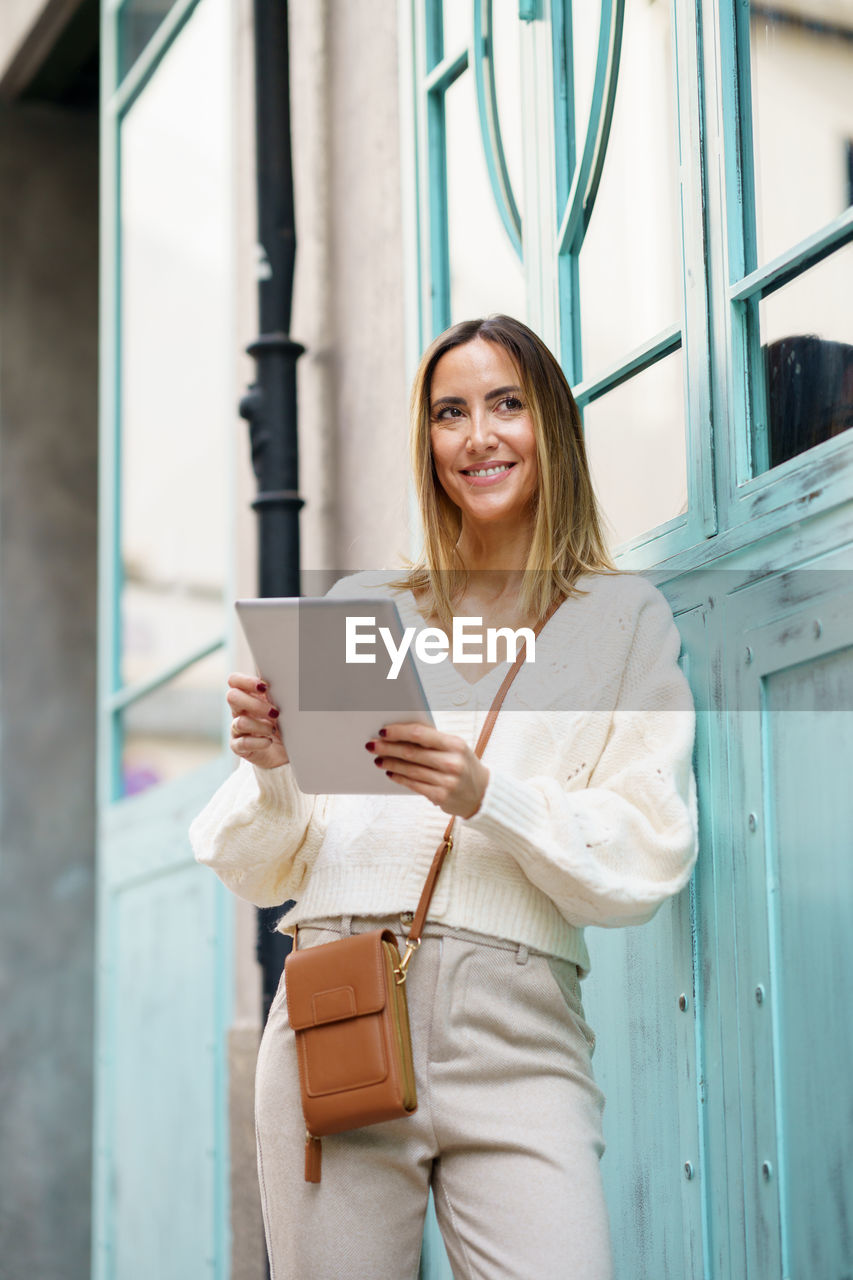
{"points": [[165, 978], [811, 843], [645, 1062], [795, 883], [643, 999]]}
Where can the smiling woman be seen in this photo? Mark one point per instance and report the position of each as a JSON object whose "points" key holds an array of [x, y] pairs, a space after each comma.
{"points": [[580, 812], [482, 437], [489, 394]]}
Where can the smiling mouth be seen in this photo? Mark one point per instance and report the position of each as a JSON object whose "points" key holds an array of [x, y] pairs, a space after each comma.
{"points": [[495, 470]]}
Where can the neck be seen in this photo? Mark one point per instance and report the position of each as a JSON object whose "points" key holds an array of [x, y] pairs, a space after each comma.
{"points": [[494, 547], [494, 556]]}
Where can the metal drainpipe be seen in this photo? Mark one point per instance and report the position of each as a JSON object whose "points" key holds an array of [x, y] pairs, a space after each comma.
{"points": [[270, 403]]}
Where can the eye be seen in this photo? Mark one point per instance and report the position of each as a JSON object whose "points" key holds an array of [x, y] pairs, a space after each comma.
{"points": [[450, 413], [511, 403]]}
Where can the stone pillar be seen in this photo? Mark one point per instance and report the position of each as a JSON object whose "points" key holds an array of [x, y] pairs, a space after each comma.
{"points": [[48, 577]]}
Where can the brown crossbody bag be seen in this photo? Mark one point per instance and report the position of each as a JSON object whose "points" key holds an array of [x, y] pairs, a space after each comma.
{"points": [[346, 1001]]}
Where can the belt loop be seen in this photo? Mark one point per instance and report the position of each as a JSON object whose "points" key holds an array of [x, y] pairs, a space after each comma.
{"points": [[346, 926], [522, 955]]}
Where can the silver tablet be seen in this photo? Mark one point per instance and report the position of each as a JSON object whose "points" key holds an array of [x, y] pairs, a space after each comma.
{"points": [[338, 670]]}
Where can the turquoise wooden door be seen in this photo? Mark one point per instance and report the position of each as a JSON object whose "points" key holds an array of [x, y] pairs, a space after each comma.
{"points": [[164, 926], [663, 191], [792, 667]]}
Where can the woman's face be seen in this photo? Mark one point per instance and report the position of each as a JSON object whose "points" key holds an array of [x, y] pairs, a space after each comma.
{"points": [[483, 442]]}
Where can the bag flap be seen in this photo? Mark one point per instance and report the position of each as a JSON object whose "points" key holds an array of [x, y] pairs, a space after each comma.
{"points": [[337, 980]]}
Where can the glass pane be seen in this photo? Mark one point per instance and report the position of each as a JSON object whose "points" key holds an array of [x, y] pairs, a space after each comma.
{"points": [[507, 56], [802, 117], [583, 39], [457, 18], [138, 20], [807, 339], [636, 450], [630, 263], [177, 394], [175, 729], [485, 272]]}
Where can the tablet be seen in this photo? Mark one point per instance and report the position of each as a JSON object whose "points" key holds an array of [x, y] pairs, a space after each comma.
{"points": [[337, 670]]}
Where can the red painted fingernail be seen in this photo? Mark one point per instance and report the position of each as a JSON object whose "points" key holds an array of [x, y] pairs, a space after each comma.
{"points": [[388, 773], [370, 746], [274, 713], [378, 762], [261, 687], [383, 733]]}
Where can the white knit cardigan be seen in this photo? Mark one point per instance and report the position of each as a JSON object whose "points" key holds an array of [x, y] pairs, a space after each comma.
{"points": [[589, 814]]}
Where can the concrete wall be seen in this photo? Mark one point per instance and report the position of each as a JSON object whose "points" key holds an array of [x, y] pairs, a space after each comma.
{"points": [[348, 304], [48, 459]]}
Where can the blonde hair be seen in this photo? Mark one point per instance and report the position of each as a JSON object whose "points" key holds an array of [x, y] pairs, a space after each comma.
{"points": [[567, 538]]}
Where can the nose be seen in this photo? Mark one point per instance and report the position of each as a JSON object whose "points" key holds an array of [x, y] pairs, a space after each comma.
{"points": [[481, 433]]}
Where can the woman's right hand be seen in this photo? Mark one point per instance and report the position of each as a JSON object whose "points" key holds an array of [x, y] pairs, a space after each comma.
{"points": [[255, 730]]}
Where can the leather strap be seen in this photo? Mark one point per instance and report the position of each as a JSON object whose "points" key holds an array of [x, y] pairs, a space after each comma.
{"points": [[413, 941]]}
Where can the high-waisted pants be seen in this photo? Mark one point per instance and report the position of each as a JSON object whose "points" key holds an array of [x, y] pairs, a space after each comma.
{"points": [[507, 1131]]}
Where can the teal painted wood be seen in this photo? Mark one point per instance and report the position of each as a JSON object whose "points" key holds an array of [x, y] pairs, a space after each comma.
{"points": [[109, 558], [163, 1007], [655, 348], [125, 697], [809, 819], [751, 444], [587, 172], [645, 1063], [419, 21], [739, 1072], [739, 153], [644, 999], [483, 65], [436, 157], [116, 99], [443, 74], [164, 951], [433, 34], [779, 271], [137, 76], [793, 669], [696, 338], [565, 161], [439, 252], [821, 478]]}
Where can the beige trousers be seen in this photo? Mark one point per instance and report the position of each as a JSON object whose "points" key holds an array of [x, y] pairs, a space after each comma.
{"points": [[507, 1131]]}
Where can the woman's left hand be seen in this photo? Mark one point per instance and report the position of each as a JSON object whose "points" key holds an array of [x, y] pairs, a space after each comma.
{"points": [[436, 765]]}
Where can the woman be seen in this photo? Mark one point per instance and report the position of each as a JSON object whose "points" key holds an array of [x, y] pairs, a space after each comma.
{"points": [[581, 812]]}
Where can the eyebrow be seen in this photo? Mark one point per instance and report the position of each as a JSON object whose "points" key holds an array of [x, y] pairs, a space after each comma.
{"points": [[490, 395]]}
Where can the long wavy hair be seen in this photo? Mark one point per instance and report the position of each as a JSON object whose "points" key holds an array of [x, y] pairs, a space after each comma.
{"points": [[567, 538]]}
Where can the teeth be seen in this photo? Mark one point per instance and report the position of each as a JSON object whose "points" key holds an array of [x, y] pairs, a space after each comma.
{"points": [[489, 471]]}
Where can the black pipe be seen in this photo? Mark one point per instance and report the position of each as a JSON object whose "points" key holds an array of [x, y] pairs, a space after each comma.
{"points": [[270, 403]]}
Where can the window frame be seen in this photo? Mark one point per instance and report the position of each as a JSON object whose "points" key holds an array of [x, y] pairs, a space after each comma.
{"points": [[119, 93], [551, 274], [755, 501]]}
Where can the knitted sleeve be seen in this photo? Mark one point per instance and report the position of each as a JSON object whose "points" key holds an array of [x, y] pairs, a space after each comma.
{"points": [[611, 853], [261, 834]]}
